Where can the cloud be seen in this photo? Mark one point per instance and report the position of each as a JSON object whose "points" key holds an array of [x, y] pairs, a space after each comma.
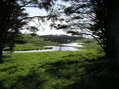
{"points": [[32, 11]]}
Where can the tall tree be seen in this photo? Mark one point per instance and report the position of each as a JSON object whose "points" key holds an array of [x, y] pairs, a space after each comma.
{"points": [[106, 25], [11, 19]]}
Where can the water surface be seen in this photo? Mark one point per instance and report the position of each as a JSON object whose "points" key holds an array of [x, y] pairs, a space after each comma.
{"points": [[61, 47]]}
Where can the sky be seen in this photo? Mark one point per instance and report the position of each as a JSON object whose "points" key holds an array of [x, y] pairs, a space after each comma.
{"points": [[45, 29], [41, 12], [35, 12]]}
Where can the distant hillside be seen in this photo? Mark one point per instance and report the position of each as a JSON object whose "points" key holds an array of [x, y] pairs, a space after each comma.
{"points": [[61, 38]]}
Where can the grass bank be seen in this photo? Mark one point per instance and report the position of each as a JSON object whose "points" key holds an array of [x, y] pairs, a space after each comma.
{"points": [[47, 70], [50, 70], [29, 42], [90, 44]]}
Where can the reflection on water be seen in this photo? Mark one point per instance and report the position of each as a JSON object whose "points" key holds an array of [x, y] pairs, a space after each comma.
{"points": [[62, 47], [72, 45]]}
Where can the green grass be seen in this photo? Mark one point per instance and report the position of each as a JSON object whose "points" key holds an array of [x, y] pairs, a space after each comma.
{"points": [[32, 46], [90, 44], [27, 46], [29, 42], [47, 70], [46, 57]]}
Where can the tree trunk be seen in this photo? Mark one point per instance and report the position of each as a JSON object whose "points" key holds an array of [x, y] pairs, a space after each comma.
{"points": [[1, 55], [112, 30], [115, 38]]}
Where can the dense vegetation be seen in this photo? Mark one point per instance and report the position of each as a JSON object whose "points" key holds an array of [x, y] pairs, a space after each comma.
{"points": [[11, 20], [31, 42], [61, 38], [35, 42], [42, 71], [90, 44]]}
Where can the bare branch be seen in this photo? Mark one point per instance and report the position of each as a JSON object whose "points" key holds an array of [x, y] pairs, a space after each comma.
{"points": [[77, 33]]}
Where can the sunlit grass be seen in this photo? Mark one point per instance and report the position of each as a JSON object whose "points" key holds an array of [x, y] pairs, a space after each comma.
{"points": [[47, 70], [27, 46], [56, 67]]}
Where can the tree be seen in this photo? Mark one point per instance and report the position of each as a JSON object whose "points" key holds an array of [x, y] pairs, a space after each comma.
{"points": [[106, 27], [33, 29], [11, 19]]}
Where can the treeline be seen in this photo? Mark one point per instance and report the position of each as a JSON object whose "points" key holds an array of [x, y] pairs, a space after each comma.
{"points": [[29, 42], [61, 38]]}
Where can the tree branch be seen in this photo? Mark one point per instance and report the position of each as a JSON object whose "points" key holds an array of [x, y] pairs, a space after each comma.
{"points": [[77, 33]]}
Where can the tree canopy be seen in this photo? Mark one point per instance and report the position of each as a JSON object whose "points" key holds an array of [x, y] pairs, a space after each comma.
{"points": [[11, 19]]}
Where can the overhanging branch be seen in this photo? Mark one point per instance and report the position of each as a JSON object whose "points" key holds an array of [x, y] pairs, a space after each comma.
{"points": [[77, 33]]}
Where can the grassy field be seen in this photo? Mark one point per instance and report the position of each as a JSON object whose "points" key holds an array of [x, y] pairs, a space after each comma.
{"points": [[90, 44], [27, 46], [29, 42], [32, 46], [39, 43], [47, 70]]}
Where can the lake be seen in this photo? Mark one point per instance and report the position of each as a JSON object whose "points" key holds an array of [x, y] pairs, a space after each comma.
{"points": [[61, 47]]}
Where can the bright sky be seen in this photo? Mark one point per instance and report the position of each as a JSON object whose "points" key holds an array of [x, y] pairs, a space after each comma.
{"points": [[41, 12], [45, 29], [35, 12]]}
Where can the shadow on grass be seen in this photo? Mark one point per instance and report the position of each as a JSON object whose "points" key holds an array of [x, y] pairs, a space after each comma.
{"points": [[62, 68], [2, 85], [69, 74], [88, 74], [5, 58], [32, 80], [99, 74]]}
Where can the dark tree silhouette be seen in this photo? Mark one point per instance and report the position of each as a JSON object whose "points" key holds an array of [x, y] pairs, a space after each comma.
{"points": [[106, 27], [33, 29], [11, 19]]}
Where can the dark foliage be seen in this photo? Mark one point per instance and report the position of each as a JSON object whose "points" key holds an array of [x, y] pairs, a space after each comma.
{"points": [[11, 19], [61, 38]]}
